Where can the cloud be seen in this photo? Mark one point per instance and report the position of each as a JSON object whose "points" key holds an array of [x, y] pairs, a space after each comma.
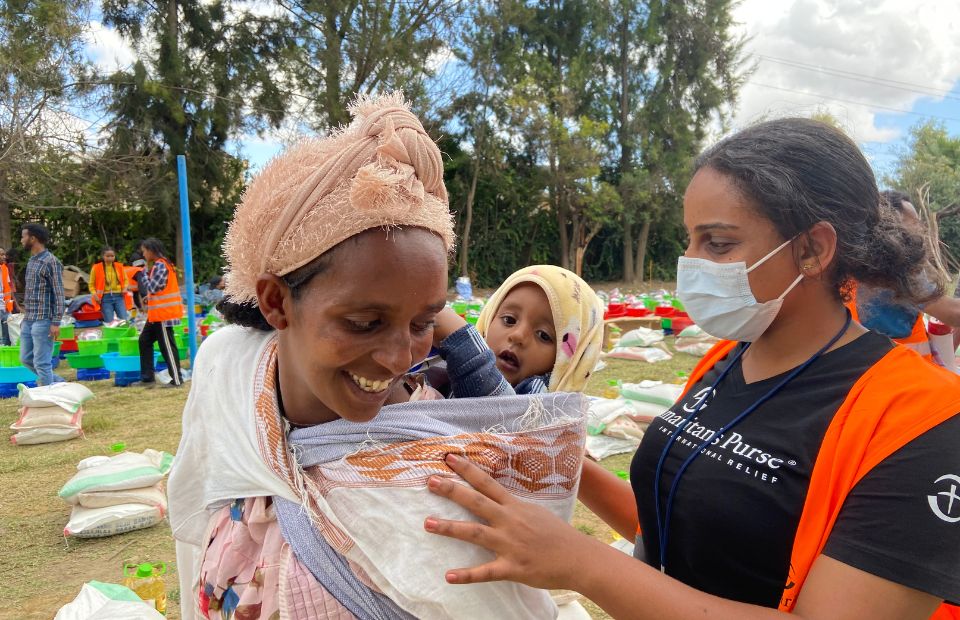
{"points": [[258, 8], [855, 59], [107, 49]]}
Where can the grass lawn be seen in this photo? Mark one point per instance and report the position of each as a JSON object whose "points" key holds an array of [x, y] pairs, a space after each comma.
{"points": [[43, 571]]}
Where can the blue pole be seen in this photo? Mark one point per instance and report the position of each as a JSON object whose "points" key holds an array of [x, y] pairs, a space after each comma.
{"points": [[187, 255]]}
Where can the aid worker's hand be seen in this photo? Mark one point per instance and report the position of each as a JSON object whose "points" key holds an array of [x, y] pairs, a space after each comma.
{"points": [[54, 331], [532, 545]]}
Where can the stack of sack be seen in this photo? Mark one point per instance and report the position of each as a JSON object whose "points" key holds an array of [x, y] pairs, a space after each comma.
{"points": [[617, 425], [114, 495], [694, 341], [643, 345], [50, 413]]}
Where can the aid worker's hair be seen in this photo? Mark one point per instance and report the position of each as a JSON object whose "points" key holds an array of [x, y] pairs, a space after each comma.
{"points": [[797, 172], [895, 198]]}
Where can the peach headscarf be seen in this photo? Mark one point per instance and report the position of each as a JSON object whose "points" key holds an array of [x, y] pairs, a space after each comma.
{"points": [[381, 171]]}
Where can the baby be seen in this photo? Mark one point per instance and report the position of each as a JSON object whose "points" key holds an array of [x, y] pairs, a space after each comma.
{"points": [[541, 331]]}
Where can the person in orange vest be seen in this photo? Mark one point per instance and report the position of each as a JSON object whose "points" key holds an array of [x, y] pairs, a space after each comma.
{"points": [[16, 275], [109, 286], [164, 309], [810, 466], [134, 272], [879, 309], [8, 304]]}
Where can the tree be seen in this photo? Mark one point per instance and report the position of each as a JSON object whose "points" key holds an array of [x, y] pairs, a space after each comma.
{"points": [[929, 171], [673, 67], [40, 66], [477, 108], [513, 225], [205, 71], [68, 196], [347, 47], [549, 63]]}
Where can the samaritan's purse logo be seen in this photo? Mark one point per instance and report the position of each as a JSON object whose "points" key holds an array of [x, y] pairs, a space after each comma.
{"points": [[949, 499]]}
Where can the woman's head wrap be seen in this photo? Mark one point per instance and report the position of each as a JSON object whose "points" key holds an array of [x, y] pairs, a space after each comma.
{"points": [[381, 171], [577, 319]]}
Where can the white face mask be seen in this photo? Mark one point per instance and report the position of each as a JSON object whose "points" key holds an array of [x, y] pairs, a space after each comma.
{"points": [[718, 298]]}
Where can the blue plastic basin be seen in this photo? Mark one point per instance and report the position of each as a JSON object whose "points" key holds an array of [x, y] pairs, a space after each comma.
{"points": [[114, 362], [16, 374]]}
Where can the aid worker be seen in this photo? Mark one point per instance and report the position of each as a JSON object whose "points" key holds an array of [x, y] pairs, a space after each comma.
{"points": [[810, 466], [109, 279], [164, 310]]}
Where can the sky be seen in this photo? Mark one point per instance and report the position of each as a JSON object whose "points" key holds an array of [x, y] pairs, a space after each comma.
{"points": [[879, 67]]}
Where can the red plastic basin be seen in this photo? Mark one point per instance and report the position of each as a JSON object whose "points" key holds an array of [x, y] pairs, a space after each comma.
{"points": [[69, 346], [87, 316]]}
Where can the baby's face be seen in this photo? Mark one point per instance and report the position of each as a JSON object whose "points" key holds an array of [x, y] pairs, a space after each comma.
{"points": [[522, 334]]}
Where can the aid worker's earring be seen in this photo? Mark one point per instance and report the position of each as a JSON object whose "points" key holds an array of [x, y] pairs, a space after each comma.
{"points": [[807, 267]]}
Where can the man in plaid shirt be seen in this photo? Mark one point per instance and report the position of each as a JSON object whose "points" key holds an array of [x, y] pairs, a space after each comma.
{"points": [[42, 304]]}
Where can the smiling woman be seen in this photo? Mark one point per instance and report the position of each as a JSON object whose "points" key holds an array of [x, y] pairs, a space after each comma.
{"points": [[337, 269], [348, 335]]}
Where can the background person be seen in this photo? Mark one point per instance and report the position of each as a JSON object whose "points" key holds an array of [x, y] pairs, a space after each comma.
{"points": [[211, 292], [109, 286], [164, 310], [8, 303], [134, 273], [42, 304], [880, 309], [15, 264]]}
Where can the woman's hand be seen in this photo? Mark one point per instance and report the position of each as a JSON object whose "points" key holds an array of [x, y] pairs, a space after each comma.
{"points": [[533, 546]]}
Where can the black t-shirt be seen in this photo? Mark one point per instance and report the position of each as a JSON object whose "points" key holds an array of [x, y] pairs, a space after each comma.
{"points": [[738, 505]]}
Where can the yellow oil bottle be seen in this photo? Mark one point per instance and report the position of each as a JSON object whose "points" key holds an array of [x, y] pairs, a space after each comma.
{"points": [[147, 581], [612, 389], [614, 337]]}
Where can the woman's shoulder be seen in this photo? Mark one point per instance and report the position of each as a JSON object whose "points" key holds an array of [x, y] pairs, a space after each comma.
{"points": [[903, 371], [236, 337], [901, 397], [230, 347]]}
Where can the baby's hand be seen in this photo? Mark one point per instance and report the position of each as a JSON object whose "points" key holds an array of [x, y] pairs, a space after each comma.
{"points": [[447, 322]]}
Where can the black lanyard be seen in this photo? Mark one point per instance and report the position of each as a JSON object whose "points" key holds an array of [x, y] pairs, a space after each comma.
{"points": [[663, 527]]}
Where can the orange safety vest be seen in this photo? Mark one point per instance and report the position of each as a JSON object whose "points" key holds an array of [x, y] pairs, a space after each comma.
{"points": [[100, 279], [898, 399], [6, 286], [131, 272], [165, 305], [917, 340]]}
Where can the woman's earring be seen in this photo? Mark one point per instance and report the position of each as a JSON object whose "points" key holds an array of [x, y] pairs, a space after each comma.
{"points": [[807, 267]]}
